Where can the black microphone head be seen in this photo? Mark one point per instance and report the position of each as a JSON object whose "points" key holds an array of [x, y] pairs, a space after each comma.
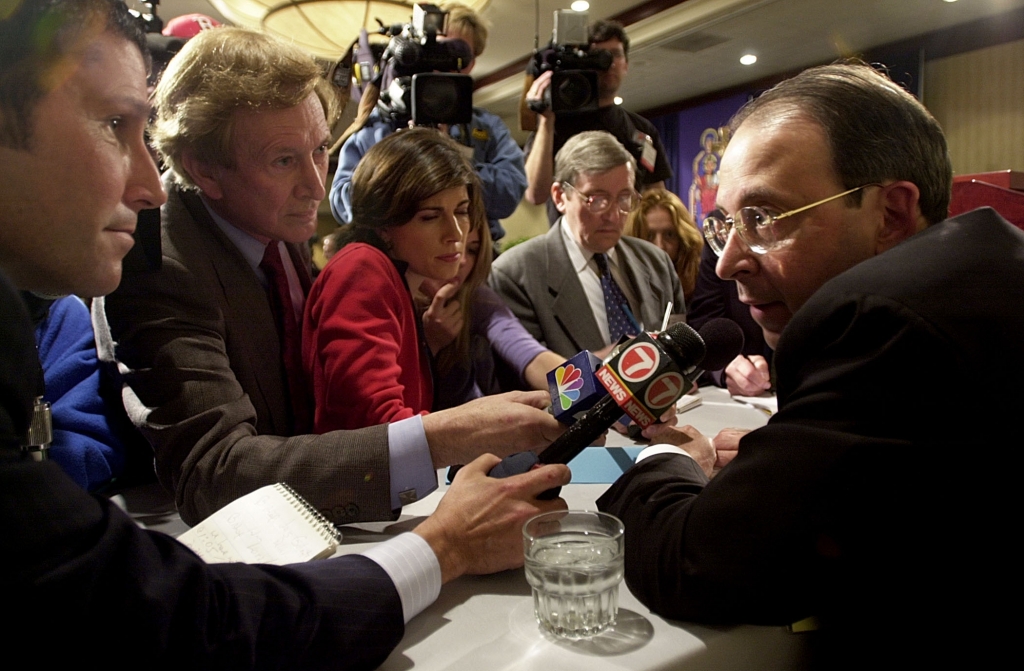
{"points": [[724, 340], [459, 50], [683, 344]]}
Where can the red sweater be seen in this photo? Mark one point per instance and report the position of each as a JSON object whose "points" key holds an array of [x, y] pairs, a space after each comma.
{"points": [[360, 344]]}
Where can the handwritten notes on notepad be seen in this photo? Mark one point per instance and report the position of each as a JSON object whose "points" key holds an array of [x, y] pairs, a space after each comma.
{"points": [[272, 525]]}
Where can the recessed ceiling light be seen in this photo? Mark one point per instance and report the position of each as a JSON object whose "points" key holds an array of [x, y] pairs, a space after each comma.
{"points": [[618, 100], [949, 0], [748, 59], [580, 6]]}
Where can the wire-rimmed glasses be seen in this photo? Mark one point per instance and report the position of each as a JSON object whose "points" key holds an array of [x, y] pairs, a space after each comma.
{"points": [[599, 203], [756, 226]]}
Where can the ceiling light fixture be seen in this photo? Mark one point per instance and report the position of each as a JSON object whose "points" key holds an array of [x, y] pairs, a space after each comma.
{"points": [[580, 6], [324, 27], [748, 59]]}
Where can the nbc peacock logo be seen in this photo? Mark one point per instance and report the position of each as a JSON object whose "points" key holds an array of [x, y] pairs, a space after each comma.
{"points": [[569, 379]]}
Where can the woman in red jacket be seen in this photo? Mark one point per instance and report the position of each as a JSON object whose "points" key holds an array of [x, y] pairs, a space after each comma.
{"points": [[362, 341]]}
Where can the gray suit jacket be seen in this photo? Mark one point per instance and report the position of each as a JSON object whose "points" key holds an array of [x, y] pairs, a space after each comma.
{"points": [[537, 281], [206, 385]]}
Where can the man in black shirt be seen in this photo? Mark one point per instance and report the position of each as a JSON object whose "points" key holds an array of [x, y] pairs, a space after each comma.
{"points": [[636, 133]]}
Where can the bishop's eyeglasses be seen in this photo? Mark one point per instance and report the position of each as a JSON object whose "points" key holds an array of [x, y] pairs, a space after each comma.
{"points": [[757, 227]]}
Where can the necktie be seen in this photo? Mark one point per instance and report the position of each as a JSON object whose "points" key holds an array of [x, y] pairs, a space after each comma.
{"points": [[615, 304], [288, 328]]}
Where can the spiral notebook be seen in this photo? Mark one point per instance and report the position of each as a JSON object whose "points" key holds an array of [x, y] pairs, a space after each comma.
{"points": [[272, 525]]}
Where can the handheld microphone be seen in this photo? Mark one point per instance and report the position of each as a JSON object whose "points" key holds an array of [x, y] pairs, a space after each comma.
{"points": [[724, 340], [643, 380], [573, 387]]}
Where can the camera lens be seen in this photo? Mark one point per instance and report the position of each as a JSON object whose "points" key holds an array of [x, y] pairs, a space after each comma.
{"points": [[573, 90]]}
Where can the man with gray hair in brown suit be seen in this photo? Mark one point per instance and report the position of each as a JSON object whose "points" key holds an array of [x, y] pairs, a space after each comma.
{"points": [[74, 173], [210, 340]]}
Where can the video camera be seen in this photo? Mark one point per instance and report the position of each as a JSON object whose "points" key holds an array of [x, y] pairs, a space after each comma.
{"points": [[575, 66], [420, 79], [149, 22]]}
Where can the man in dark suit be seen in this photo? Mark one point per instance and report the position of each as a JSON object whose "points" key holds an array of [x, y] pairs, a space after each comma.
{"points": [[856, 504], [210, 338], [638, 135], [583, 285], [78, 576]]}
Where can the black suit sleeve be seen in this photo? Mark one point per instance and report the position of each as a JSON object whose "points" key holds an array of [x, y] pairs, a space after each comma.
{"points": [[804, 518], [734, 549], [79, 577], [20, 372]]}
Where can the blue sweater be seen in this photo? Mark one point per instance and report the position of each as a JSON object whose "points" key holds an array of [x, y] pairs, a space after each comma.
{"points": [[84, 444]]}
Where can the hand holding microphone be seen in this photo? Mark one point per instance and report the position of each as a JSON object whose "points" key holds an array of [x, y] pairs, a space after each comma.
{"points": [[642, 380]]}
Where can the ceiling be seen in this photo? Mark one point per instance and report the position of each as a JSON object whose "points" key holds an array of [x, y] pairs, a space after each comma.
{"points": [[667, 63]]}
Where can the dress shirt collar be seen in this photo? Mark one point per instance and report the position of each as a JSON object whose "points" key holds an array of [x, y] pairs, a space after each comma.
{"points": [[251, 248]]}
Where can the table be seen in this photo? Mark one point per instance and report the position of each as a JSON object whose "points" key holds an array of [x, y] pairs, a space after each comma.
{"points": [[487, 622]]}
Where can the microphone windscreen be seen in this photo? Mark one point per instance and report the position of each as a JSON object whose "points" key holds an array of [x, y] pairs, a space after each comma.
{"points": [[724, 341], [683, 344], [461, 50]]}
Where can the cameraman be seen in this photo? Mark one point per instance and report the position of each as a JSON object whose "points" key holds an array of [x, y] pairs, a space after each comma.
{"points": [[495, 155], [631, 129]]}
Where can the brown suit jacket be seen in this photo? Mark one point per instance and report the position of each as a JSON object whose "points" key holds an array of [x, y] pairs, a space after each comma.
{"points": [[205, 384]]}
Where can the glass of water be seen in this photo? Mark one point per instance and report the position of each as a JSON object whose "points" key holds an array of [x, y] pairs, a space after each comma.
{"points": [[574, 565]]}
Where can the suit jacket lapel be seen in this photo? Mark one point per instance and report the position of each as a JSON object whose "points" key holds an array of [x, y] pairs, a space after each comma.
{"points": [[638, 274], [569, 303], [249, 321]]}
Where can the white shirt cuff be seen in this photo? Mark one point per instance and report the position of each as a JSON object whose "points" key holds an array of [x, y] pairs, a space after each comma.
{"points": [[661, 448], [410, 465], [413, 568]]}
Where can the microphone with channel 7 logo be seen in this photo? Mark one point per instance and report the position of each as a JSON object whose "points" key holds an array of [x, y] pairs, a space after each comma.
{"points": [[642, 380]]}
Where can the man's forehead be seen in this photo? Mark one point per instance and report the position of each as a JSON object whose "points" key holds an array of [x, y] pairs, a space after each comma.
{"points": [[611, 44], [96, 45], [257, 130], [767, 153], [105, 70], [619, 178]]}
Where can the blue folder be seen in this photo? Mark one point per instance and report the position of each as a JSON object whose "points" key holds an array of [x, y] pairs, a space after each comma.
{"points": [[602, 465]]}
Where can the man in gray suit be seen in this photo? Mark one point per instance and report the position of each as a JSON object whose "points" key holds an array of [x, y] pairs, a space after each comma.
{"points": [[208, 340], [583, 285]]}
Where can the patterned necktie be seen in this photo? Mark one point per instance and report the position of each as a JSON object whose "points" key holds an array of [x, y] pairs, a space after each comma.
{"points": [[288, 328], [615, 304]]}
